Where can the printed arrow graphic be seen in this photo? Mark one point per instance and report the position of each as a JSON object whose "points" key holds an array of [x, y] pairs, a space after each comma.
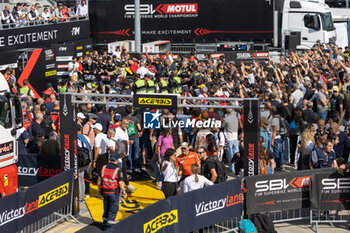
{"points": [[159, 9], [28, 70], [203, 32], [122, 32]]}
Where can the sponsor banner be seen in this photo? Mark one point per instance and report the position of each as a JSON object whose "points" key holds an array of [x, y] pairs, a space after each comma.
{"points": [[82, 47], [187, 212], [68, 123], [251, 137], [40, 70], [155, 101], [195, 20], [282, 191], [33, 168], [247, 56], [27, 37], [330, 191], [24, 208], [6, 148]]}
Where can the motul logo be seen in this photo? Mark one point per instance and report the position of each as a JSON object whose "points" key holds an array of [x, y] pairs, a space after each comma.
{"points": [[179, 8], [150, 9]]}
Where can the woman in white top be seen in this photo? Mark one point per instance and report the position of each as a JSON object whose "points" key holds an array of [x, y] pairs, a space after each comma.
{"points": [[195, 181], [169, 186]]}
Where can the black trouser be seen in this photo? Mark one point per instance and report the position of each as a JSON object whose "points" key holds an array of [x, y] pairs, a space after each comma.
{"points": [[169, 189], [125, 175], [293, 147]]}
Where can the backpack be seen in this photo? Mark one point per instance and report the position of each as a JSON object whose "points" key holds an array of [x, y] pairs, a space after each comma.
{"points": [[220, 170], [131, 129], [262, 223], [284, 129], [246, 226], [83, 153], [347, 100]]}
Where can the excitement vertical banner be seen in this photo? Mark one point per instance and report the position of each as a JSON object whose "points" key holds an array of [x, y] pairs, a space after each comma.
{"points": [[68, 130], [251, 137]]}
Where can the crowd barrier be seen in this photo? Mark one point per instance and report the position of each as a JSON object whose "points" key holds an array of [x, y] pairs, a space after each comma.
{"points": [[221, 203], [317, 195], [33, 168], [39, 206]]}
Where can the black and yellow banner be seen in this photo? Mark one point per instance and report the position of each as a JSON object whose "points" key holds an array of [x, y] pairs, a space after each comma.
{"points": [[155, 101], [24, 208]]}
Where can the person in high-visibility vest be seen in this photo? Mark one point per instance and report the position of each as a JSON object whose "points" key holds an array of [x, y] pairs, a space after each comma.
{"points": [[140, 85], [175, 83], [163, 86], [25, 90], [110, 184], [151, 86]]}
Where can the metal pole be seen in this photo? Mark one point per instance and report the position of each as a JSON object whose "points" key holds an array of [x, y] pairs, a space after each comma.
{"points": [[275, 26], [137, 27]]}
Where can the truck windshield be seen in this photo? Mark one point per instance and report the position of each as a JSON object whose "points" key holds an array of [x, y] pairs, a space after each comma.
{"points": [[327, 22], [5, 113]]}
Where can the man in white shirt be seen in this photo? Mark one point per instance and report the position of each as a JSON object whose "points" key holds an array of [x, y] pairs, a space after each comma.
{"points": [[82, 9], [100, 144], [37, 7], [46, 15], [121, 134], [297, 96], [142, 70], [73, 68]]}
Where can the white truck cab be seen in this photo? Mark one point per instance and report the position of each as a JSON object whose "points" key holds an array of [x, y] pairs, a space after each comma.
{"points": [[11, 119], [312, 19]]}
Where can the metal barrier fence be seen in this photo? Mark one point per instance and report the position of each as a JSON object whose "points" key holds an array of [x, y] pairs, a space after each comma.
{"points": [[289, 215], [329, 216], [50, 220], [228, 226]]}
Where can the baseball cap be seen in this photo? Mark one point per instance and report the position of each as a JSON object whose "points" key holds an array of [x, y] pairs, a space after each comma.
{"points": [[97, 126], [265, 121], [81, 115], [49, 85], [113, 157], [184, 145], [336, 89], [93, 116]]}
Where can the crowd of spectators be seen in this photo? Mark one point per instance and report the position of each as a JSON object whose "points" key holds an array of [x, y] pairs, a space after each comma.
{"points": [[23, 14], [305, 121]]}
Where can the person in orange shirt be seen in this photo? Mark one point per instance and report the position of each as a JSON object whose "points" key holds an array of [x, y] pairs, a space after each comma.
{"points": [[185, 160]]}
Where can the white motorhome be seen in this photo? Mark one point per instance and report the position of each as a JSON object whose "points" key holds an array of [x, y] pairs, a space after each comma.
{"points": [[11, 119], [312, 19]]}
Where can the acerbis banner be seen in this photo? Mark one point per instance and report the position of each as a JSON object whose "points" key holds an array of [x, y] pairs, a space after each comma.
{"points": [[155, 101], [330, 191], [24, 208], [187, 212], [33, 168], [28, 37], [282, 191]]}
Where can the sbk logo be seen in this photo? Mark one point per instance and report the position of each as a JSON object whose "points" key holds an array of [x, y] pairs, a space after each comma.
{"points": [[149, 9], [282, 184], [335, 183]]}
